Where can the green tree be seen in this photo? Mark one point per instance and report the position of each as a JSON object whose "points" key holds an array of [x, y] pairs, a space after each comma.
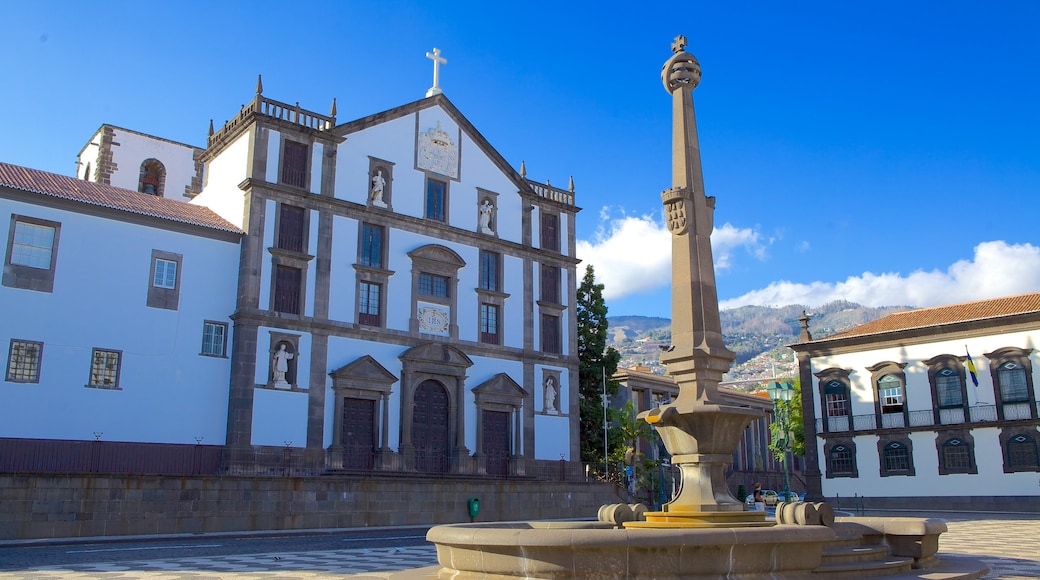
{"points": [[797, 431], [597, 364], [625, 430]]}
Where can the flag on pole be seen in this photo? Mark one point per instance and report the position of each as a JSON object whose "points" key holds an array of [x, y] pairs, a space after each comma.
{"points": [[971, 368]]}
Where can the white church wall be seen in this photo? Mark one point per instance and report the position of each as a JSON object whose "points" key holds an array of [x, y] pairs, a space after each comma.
{"points": [[317, 153], [552, 437], [167, 391], [274, 154], [342, 276], [223, 174], [391, 141], [512, 328], [279, 418], [266, 269], [87, 161], [134, 149], [311, 283]]}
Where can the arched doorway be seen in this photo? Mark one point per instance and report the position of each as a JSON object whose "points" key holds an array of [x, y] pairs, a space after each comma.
{"points": [[430, 427]]}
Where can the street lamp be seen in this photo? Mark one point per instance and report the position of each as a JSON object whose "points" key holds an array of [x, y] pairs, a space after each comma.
{"points": [[780, 393]]}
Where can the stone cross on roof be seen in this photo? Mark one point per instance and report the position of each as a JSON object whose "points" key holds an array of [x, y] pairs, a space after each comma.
{"points": [[678, 45], [438, 60]]}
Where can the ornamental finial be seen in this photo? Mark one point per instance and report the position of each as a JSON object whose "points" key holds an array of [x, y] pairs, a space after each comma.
{"points": [[679, 44]]}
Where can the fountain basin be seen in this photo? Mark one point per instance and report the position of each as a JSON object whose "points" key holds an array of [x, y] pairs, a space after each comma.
{"points": [[599, 550]]}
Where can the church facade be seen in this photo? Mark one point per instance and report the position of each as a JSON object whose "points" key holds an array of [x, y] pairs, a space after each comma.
{"points": [[387, 294], [926, 409]]}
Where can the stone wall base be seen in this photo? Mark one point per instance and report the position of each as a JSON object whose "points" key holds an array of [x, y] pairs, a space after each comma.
{"points": [[1014, 504], [64, 506]]}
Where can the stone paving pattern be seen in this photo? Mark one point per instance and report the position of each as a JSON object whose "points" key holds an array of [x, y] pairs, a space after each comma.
{"points": [[1006, 545]]}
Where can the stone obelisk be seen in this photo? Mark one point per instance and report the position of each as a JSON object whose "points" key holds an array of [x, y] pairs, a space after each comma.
{"points": [[699, 429]]}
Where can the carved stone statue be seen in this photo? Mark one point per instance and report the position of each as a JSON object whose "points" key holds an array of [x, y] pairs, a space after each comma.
{"points": [[280, 364], [550, 396], [485, 217], [378, 184]]}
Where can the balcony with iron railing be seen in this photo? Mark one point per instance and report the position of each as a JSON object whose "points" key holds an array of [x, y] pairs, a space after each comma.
{"points": [[925, 419]]}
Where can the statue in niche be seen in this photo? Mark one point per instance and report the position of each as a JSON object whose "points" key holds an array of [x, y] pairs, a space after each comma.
{"points": [[280, 364], [550, 396], [378, 184], [485, 217]]}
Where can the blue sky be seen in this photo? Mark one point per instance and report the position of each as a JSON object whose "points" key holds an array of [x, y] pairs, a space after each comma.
{"points": [[883, 152]]}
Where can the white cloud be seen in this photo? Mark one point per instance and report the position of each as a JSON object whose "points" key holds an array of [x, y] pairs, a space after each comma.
{"points": [[997, 269], [633, 254]]}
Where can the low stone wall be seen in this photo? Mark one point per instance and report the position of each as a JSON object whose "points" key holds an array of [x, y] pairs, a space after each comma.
{"points": [[57, 506], [1025, 504]]}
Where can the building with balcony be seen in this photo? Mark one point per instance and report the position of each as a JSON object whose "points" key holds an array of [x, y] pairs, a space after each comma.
{"points": [[933, 408]]}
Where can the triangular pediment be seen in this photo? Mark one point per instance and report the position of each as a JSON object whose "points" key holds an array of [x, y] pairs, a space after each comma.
{"points": [[364, 368], [500, 389], [441, 102]]}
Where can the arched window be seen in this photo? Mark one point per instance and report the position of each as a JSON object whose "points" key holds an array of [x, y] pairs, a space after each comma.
{"points": [[153, 177]]}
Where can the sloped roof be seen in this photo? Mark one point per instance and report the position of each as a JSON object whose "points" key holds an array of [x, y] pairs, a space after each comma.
{"points": [[96, 194], [939, 315]]}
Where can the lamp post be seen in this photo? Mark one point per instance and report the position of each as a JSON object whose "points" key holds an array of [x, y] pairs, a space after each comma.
{"points": [[780, 393]]}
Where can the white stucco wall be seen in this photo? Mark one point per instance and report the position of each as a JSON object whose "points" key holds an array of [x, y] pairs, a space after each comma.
{"points": [[131, 149], [990, 480], [168, 391], [220, 192]]}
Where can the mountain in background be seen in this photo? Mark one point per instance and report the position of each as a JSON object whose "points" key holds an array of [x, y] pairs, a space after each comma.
{"points": [[757, 334]]}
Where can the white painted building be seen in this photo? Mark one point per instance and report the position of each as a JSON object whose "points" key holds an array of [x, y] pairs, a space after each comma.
{"points": [[898, 419], [401, 298], [115, 310]]}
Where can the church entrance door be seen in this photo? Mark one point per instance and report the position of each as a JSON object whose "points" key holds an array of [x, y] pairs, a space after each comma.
{"points": [[430, 428], [496, 442], [359, 433]]}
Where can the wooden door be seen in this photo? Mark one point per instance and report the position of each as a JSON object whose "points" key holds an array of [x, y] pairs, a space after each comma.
{"points": [[359, 433], [430, 428], [496, 442]]}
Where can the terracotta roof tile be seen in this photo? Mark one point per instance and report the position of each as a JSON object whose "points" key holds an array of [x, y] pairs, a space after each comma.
{"points": [[968, 311], [64, 187]]}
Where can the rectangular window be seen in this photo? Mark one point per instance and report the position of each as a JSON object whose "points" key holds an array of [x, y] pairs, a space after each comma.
{"points": [[892, 399], [489, 271], [294, 164], [841, 461], [948, 387], [23, 361], [551, 333], [1013, 385], [436, 198], [956, 457], [433, 285], [837, 405], [214, 338], [550, 282], [368, 304], [165, 274], [32, 247], [291, 228], [104, 369], [371, 246], [489, 324], [287, 290], [550, 232]]}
